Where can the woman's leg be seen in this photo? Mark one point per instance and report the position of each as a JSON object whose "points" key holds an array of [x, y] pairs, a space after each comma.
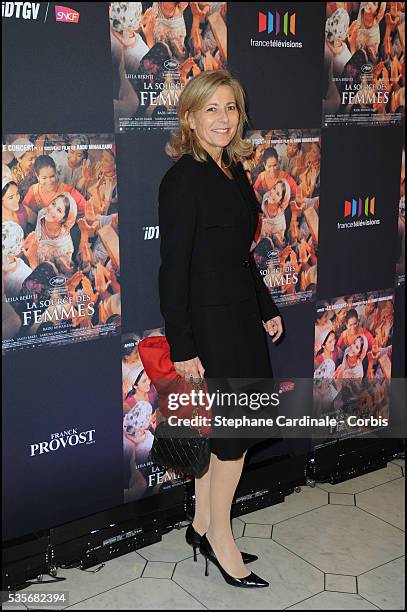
{"points": [[202, 501], [225, 476]]}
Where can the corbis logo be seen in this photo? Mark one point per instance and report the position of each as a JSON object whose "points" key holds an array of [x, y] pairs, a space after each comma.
{"points": [[66, 14], [274, 24], [357, 207]]}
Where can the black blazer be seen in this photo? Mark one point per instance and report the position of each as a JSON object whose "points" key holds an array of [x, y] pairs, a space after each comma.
{"points": [[205, 247]]}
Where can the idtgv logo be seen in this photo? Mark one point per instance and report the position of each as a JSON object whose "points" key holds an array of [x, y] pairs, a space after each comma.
{"points": [[359, 206], [151, 231], [276, 23], [65, 14]]}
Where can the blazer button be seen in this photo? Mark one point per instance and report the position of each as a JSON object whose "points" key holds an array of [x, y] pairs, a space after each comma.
{"points": [[246, 262]]}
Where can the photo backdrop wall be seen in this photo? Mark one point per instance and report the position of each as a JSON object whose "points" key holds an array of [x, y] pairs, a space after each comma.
{"points": [[89, 96]]}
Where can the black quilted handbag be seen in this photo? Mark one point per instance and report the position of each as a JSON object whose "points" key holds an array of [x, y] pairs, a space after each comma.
{"points": [[187, 452]]}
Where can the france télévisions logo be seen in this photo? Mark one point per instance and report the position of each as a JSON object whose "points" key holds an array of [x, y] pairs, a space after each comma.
{"points": [[66, 14], [358, 208], [280, 26], [276, 23]]}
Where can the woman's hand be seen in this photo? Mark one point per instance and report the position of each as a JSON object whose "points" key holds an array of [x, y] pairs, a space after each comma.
{"points": [[190, 367], [30, 249], [274, 327], [147, 24], [87, 170], [85, 252]]}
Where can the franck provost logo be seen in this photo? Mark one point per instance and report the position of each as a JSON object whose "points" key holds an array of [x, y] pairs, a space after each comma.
{"points": [[63, 439], [359, 207], [280, 26], [276, 23]]}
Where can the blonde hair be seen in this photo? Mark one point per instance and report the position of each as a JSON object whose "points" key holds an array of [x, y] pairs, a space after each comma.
{"points": [[195, 94]]}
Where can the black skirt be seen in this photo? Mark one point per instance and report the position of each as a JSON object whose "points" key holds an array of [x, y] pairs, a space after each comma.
{"points": [[231, 343]]}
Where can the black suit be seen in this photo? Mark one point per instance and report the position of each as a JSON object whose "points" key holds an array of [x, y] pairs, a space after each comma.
{"points": [[212, 296]]}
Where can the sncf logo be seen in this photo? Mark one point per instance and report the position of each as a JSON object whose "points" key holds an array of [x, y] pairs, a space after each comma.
{"points": [[66, 14], [359, 207], [276, 23]]}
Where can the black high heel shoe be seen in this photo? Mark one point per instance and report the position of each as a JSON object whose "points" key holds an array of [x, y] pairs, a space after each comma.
{"points": [[194, 539], [247, 581]]}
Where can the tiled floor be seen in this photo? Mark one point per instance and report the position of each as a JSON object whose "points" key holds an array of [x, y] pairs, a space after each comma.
{"points": [[333, 547]]}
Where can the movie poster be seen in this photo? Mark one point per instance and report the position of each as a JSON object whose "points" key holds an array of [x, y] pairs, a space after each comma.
{"points": [[60, 239], [285, 174], [364, 79], [353, 358], [401, 233], [141, 477], [156, 48]]}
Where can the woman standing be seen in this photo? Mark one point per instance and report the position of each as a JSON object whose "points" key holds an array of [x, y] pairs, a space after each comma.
{"points": [[215, 304]]}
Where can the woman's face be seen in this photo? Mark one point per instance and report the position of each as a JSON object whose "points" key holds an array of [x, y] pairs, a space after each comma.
{"points": [[369, 308], [323, 319], [168, 8], [371, 7], [330, 343], [47, 178], [257, 154], [355, 347], [276, 194], [341, 314], [107, 163], [216, 123], [11, 198], [75, 158], [144, 383], [27, 161], [272, 166], [55, 211], [387, 311], [352, 324], [291, 149], [314, 153]]}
